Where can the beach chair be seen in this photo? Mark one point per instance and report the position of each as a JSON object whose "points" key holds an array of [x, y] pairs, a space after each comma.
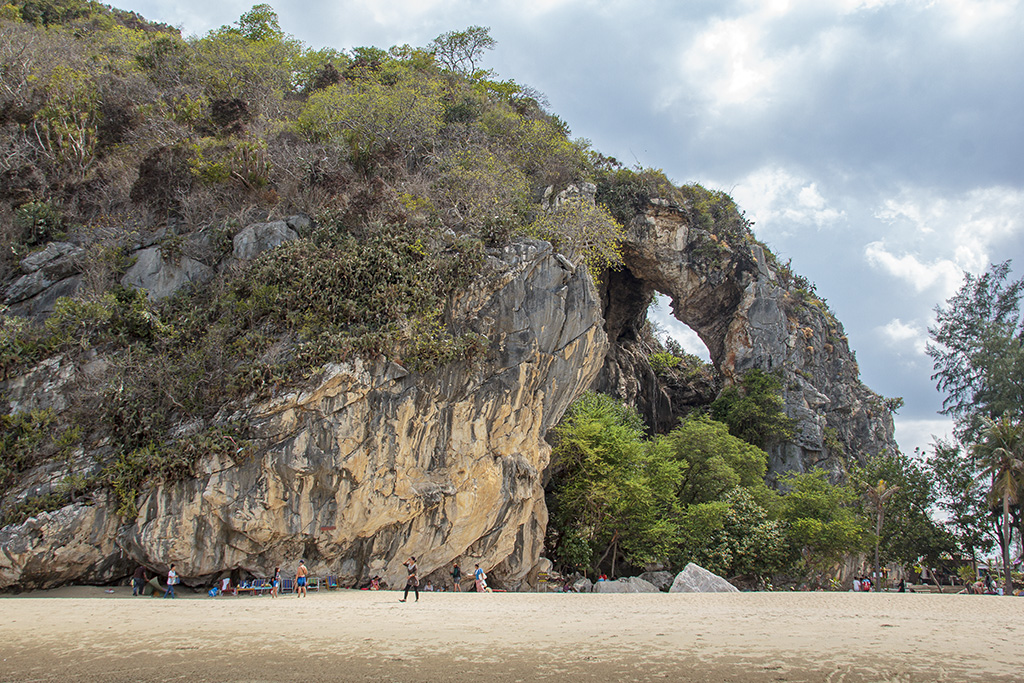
{"points": [[260, 586], [312, 583], [246, 587], [332, 583], [287, 586]]}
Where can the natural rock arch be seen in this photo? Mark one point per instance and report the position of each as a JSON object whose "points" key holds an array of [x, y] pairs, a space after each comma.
{"points": [[749, 315]]}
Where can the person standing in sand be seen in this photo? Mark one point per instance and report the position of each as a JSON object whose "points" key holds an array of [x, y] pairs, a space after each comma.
{"points": [[456, 577], [413, 581], [138, 580], [275, 584], [481, 579], [172, 581], [300, 578]]}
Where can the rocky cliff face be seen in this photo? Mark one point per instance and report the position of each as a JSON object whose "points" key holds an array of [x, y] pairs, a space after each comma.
{"points": [[750, 314], [369, 463], [366, 465]]}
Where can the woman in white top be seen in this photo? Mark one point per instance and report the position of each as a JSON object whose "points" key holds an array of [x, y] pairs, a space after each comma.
{"points": [[172, 580]]}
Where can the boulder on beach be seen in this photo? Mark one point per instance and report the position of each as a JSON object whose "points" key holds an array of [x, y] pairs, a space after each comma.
{"points": [[628, 584], [696, 579], [662, 580]]}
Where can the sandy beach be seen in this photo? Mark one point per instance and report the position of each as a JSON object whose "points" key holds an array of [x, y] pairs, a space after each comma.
{"points": [[86, 634]]}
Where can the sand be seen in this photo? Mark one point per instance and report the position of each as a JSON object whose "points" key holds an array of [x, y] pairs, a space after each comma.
{"points": [[85, 634]]}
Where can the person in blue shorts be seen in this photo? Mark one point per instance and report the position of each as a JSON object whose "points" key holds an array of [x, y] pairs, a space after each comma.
{"points": [[300, 578]]}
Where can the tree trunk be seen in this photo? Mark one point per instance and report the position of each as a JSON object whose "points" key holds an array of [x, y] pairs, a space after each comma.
{"points": [[878, 539], [1007, 576], [614, 541]]}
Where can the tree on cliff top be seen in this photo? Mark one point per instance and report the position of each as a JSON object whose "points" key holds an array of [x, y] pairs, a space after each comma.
{"points": [[460, 51]]}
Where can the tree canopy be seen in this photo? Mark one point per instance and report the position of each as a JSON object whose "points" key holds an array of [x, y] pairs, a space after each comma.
{"points": [[978, 350]]}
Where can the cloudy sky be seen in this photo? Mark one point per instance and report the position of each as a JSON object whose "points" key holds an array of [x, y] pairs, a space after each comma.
{"points": [[878, 144]]}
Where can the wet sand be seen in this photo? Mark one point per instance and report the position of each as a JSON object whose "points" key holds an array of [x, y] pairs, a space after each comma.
{"points": [[85, 634]]}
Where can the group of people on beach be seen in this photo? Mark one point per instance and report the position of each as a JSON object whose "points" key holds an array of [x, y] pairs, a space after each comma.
{"points": [[141, 578], [862, 584], [412, 582]]}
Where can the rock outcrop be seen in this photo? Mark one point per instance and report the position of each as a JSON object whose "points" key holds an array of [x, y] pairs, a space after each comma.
{"points": [[627, 584], [661, 580], [369, 463], [696, 579], [750, 313]]}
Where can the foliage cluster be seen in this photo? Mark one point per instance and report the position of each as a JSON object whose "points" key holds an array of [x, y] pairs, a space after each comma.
{"points": [[752, 409], [619, 500], [978, 355]]}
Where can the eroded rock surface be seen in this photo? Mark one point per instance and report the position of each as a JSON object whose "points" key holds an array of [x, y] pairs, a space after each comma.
{"points": [[749, 315], [368, 463]]}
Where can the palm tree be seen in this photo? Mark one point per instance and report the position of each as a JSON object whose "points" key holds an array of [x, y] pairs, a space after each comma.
{"points": [[879, 495], [1001, 455]]}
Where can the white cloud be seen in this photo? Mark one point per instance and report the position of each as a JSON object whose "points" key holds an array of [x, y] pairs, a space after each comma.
{"points": [[778, 200], [660, 314], [945, 235], [942, 274], [727, 63], [905, 335], [911, 433]]}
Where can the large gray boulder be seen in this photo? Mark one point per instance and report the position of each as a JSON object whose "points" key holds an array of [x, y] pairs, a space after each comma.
{"points": [[49, 274], [261, 237], [661, 580], [161, 277], [696, 579], [628, 584]]}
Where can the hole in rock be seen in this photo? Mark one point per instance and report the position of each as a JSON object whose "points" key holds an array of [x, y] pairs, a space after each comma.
{"points": [[667, 327]]}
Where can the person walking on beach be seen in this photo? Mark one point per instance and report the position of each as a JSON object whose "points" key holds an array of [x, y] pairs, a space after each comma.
{"points": [[457, 577], [300, 578], [172, 580], [413, 581], [138, 580], [275, 583], [480, 579]]}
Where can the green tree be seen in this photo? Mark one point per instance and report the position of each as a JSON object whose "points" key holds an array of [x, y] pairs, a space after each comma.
{"points": [[899, 494], [483, 192], [1001, 456], [712, 461], [878, 496], [820, 519], [259, 23], [612, 495], [961, 498], [584, 231], [372, 117], [978, 350], [461, 51], [753, 409], [733, 537]]}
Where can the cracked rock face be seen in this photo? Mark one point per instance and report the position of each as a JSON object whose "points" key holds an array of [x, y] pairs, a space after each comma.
{"points": [[368, 463], [749, 317]]}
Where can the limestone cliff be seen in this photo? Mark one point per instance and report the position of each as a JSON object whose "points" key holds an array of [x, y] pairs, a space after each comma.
{"points": [[366, 465], [750, 313]]}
